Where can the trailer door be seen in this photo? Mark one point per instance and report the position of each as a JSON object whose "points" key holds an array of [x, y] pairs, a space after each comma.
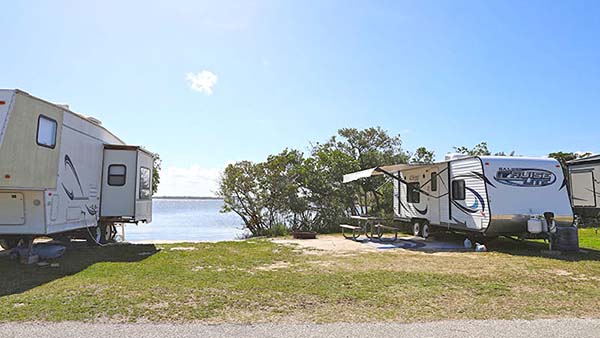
{"points": [[119, 178], [433, 200], [143, 196]]}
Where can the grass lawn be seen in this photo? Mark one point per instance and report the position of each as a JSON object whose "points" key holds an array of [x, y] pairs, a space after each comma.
{"points": [[259, 281]]}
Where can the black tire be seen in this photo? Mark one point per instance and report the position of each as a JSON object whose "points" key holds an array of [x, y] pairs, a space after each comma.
{"points": [[425, 230], [11, 243], [416, 228], [96, 235]]}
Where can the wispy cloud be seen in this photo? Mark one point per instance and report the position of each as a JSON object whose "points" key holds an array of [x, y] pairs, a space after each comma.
{"points": [[191, 181], [202, 82]]}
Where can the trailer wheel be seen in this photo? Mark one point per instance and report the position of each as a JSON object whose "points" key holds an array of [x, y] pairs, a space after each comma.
{"points": [[416, 228], [425, 230], [96, 235], [8, 244]]}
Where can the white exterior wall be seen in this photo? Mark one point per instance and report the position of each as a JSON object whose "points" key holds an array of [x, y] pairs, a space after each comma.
{"points": [[501, 193], [71, 197], [443, 190], [7, 98], [533, 186], [431, 202], [34, 214], [75, 201], [474, 211]]}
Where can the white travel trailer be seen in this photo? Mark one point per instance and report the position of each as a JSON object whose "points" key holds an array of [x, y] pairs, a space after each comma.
{"points": [[487, 196], [585, 186], [63, 174]]}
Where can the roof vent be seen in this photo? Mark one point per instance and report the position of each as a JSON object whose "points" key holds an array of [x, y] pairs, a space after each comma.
{"points": [[65, 106], [94, 120], [454, 156]]}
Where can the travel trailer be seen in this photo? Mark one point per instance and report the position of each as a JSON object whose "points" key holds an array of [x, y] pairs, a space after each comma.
{"points": [[584, 176], [65, 175], [486, 196]]}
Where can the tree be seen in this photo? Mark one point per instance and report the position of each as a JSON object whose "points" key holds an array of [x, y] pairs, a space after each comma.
{"points": [[265, 195], [480, 149], [327, 198], [370, 148], [422, 156], [307, 193], [512, 153], [564, 157], [243, 195], [156, 168]]}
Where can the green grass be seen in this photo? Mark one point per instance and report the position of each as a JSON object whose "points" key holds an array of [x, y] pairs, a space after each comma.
{"points": [[589, 238], [258, 281]]}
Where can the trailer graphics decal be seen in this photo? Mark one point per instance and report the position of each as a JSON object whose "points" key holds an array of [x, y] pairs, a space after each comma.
{"points": [[91, 209], [422, 212], [70, 192], [474, 208], [525, 177], [476, 175]]}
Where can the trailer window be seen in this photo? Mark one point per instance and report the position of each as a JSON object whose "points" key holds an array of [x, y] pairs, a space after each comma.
{"points": [[145, 183], [117, 174], [434, 181], [46, 132], [458, 190], [413, 195]]}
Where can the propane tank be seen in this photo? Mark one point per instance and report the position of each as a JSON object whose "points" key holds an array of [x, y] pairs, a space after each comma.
{"points": [[534, 225]]}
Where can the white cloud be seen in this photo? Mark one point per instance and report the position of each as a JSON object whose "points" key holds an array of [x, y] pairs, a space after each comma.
{"points": [[192, 181], [202, 82]]}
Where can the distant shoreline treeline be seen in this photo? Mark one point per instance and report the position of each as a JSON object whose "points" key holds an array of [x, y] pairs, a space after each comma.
{"points": [[186, 198]]}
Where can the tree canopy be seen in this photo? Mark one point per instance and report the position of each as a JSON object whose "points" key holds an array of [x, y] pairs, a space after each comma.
{"points": [[305, 192]]}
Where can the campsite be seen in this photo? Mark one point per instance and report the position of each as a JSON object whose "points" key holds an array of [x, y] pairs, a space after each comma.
{"points": [[473, 237], [300, 169], [262, 281]]}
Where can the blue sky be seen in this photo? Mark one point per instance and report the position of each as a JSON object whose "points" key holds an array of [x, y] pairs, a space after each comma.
{"points": [[521, 75]]}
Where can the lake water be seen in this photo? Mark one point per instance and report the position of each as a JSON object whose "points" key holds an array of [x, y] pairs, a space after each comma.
{"points": [[187, 220]]}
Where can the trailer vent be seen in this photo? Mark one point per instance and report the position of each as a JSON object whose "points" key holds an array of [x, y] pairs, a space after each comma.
{"points": [[94, 120], [454, 156]]}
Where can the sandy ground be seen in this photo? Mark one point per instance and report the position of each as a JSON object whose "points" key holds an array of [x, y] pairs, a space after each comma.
{"points": [[337, 243]]}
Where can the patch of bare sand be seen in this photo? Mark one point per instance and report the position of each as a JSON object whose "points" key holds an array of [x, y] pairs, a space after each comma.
{"points": [[327, 244], [275, 266]]}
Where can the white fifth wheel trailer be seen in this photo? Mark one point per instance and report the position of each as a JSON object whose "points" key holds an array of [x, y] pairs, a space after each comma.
{"points": [[64, 174], [483, 195], [585, 186]]}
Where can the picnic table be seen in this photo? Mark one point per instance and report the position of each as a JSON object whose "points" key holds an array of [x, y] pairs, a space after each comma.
{"points": [[372, 227]]}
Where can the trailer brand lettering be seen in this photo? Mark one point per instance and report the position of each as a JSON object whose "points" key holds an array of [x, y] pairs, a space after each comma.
{"points": [[525, 177]]}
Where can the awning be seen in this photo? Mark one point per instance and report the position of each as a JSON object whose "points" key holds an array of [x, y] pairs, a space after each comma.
{"points": [[378, 171]]}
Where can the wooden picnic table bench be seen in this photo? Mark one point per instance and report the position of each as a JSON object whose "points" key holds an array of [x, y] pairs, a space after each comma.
{"points": [[356, 231], [380, 227], [371, 227]]}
